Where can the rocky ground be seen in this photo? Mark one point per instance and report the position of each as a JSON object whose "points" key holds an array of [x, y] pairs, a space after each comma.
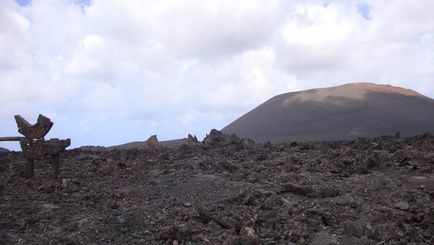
{"points": [[226, 191]]}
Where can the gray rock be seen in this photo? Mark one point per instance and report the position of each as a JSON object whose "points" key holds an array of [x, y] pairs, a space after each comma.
{"points": [[249, 237], [347, 161], [48, 208], [346, 200], [402, 205], [356, 241], [350, 241], [323, 238], [353, 229]]}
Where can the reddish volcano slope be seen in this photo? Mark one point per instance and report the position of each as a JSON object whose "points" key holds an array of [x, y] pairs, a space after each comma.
{"points": [[344, 112]]}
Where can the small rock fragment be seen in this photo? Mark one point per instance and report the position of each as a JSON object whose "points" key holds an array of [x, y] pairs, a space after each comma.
{"points": [[347, 161], [353, 229], [250, 236], [402, 205], [323, 238], [247, 237]]}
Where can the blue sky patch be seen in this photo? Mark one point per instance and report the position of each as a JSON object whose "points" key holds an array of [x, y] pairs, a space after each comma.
{"points": [[23, 2], [326, 3], [83, 2], [79, 2], [364, 9]]}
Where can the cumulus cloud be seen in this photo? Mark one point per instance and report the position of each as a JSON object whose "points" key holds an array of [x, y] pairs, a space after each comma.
{"points": [[173, 67]]}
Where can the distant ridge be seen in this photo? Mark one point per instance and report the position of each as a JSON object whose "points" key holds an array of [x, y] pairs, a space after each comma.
{"points": [[139, 144], [153, 140], [337, 113], [3, 150]]}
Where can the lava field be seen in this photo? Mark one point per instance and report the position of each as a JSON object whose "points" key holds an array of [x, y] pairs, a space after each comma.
{"points": [[226, 190]]}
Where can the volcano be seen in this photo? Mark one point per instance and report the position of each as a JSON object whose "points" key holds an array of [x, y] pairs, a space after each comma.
{"points": [[350, 111]]}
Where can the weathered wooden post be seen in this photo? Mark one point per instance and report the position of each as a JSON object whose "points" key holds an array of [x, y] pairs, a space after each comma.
{"points": [[34, 146]]}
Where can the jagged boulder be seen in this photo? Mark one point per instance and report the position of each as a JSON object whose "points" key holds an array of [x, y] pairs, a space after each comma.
{"points": [[36, 131], [216, 137], [151, 141], [191, 139]]}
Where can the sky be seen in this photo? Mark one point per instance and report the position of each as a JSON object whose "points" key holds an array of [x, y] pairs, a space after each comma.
{"points": [[114, 71]]}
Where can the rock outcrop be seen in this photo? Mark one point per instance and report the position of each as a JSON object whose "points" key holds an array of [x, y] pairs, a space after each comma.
{"points": [[152, 141], [216, 137]]}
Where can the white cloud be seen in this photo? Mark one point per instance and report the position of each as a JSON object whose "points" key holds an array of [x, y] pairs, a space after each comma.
{"points": [[179, 64], [86, 58], [14, 37], [317, 36], [246, 79]]}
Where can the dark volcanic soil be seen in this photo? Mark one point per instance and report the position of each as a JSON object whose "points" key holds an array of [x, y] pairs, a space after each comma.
{"points": [[378, 191]]}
